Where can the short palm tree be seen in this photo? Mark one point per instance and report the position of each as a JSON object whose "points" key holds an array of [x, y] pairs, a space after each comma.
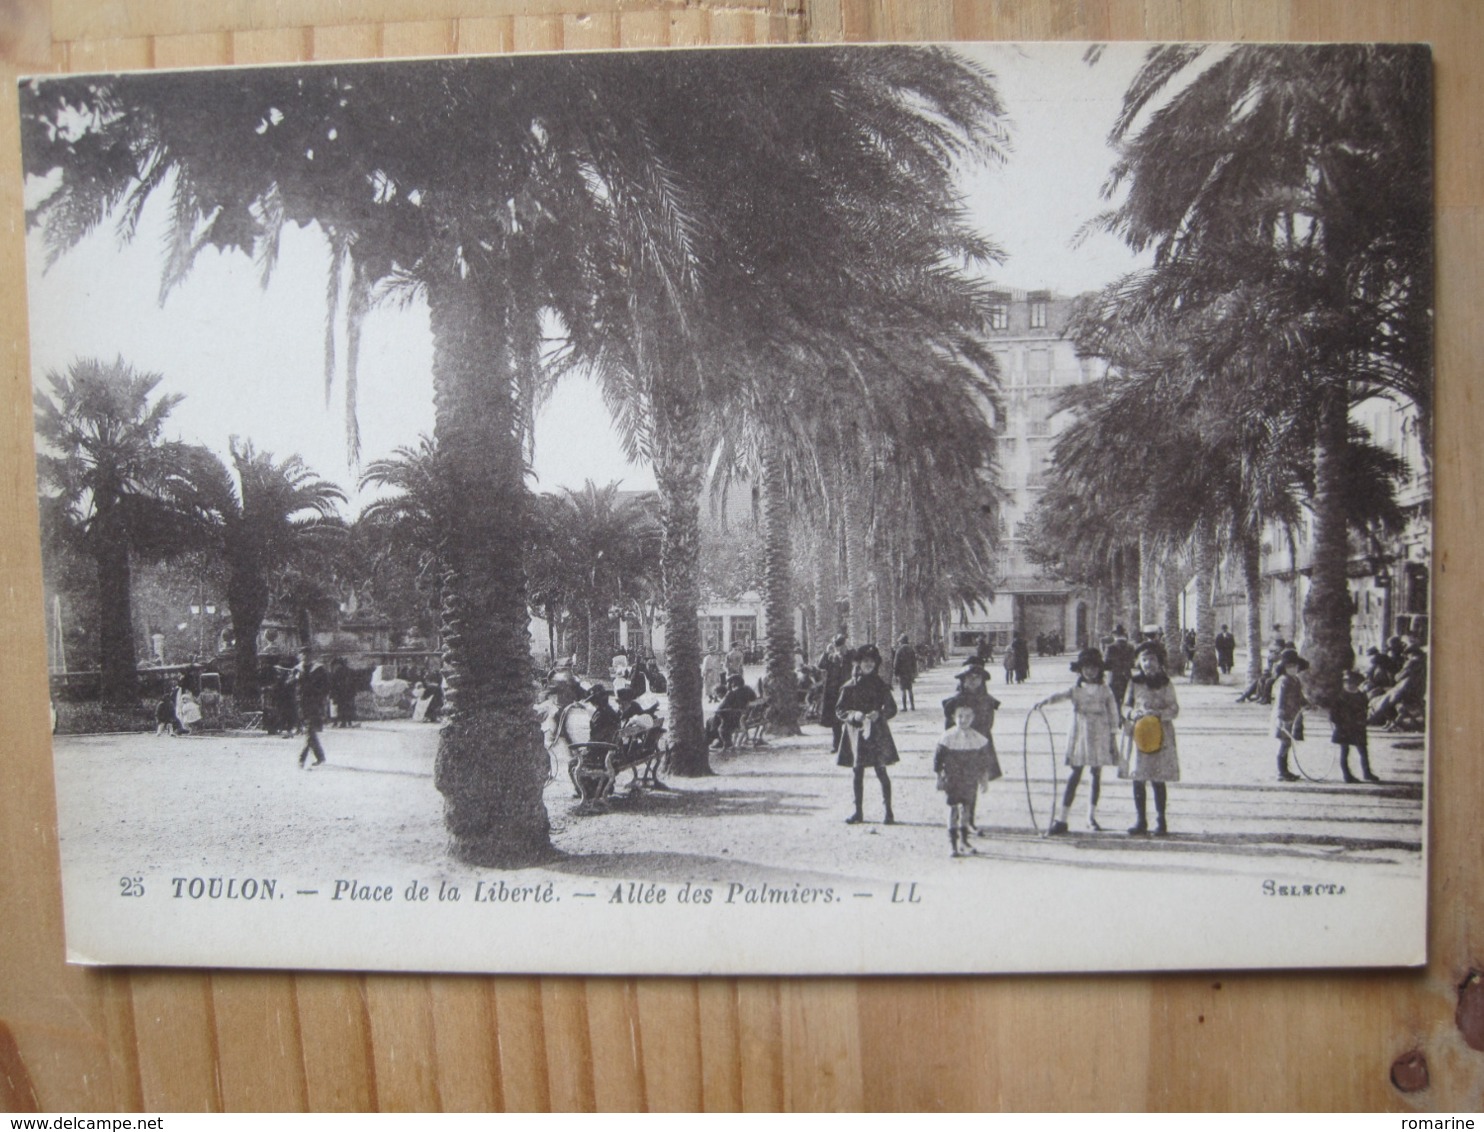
{"points": [[123, 487], [262, 516]]}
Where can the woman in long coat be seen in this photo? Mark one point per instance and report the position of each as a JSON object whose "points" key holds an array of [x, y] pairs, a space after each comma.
{"points": [[1150, 693], [864, 706]]}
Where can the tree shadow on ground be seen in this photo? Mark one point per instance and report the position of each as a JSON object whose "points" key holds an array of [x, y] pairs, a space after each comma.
{"points": [[337, 767], [1292, 847], [679, 803]]}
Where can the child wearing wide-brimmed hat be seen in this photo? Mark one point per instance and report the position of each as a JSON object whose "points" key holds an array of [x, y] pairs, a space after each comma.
{"points": [[1150, 709], [1090, 742], [1288, 708]]}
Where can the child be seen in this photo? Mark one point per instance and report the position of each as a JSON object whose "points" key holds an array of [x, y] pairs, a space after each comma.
{"points": [[165, 721], [972, 692], [964, 763], [1090, 742], [1348, 715], [1288, 706], [1150, 696]]}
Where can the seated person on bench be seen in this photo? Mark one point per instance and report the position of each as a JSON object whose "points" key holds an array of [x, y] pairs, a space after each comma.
{"points": [[603, 727], [629, 708], [723, 725]]}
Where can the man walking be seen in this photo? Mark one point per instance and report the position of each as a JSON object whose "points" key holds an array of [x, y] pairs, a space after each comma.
{"points": [[313, 683], [1226, 648]]}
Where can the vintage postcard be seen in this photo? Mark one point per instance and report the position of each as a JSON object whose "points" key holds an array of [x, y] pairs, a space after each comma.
{"points": [[839, 510]]}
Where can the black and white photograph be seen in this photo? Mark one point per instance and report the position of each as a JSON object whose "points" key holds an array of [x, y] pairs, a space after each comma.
{"points": [[883, 509]]}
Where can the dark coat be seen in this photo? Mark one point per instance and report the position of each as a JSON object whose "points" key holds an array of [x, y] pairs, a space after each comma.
{"points": [[867, 693], [836, 669], [1348, 716], [904, 665], [314, 686]]}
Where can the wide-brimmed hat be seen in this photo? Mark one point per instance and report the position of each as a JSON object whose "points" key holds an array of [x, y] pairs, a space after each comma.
{"points": [[972, 668], [735, 681], [1290, 659], [1086, 657], [868, 652], [1149, 647]]}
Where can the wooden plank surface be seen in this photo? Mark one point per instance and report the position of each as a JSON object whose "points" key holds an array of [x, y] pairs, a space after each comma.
{"points": [[74, 1039]]}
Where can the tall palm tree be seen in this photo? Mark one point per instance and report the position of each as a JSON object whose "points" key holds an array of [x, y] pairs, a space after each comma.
{"points": [[121, 485], [261, 517], [489, 241], [845, 197], [1298, 180]]}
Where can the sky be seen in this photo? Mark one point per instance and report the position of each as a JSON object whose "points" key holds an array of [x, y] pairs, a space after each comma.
{"points": [[250, 358]]}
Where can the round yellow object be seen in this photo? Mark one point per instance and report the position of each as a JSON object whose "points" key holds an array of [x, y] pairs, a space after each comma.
{"points": [[1149, 736]]}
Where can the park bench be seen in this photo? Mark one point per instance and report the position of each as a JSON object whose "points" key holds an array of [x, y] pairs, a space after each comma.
{"points": [[595, 766], [749, 731]]}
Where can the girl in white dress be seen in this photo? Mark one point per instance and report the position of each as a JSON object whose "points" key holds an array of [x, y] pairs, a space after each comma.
{"points": [[1091, 741]]}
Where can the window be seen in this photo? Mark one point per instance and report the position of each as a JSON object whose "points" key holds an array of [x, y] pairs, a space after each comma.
{"points": [[711, 628], [999, 317], [1039, 463], [1038, 315], [1038, 367]]}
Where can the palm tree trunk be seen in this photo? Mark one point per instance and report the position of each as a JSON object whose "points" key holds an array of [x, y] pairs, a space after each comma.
{"points": [[118, 675], [247, 605], [1205, 669], [592, 660], [679, 472], [1252, 583], [853, 516], [1170, 579], [783, 699], [827, 567], [490, 768], [1148, 612], [1328, 607]]}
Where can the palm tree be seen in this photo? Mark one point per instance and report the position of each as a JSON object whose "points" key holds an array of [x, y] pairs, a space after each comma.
{"points": [[804, 216], [120, 484], [609, 555], [603, 194], [405, 523], [1296, 181], [363, 153], [262, 516]]}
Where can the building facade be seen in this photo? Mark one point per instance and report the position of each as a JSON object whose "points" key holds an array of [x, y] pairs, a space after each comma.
{"points": [[1037, 361]]}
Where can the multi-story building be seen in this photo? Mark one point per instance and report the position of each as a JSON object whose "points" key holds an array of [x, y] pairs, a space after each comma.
{"points": [[1037, 360], [1390, 574]]}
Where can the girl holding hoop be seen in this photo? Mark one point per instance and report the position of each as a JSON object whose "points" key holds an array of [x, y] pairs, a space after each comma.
{"points": [[1090, 742], [1150, 725]]}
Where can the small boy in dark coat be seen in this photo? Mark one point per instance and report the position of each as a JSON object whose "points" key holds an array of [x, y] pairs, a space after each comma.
{"points": [[1348, 715]]}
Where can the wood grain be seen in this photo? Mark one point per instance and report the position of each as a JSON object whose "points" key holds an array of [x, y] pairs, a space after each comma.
{"points": [[77, 1039]]}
